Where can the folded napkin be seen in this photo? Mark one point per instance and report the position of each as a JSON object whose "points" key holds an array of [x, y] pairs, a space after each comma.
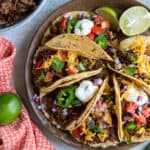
{"points": [[21, 134]]}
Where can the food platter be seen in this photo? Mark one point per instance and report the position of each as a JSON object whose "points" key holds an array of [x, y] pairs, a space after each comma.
{"points": [[72, 6]]}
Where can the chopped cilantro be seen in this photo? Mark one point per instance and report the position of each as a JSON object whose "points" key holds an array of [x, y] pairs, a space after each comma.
{"points": [[95, 128], [109, 97], [40, 78], [85, 62], [81, 67], [133, 58], [131, 126], [130, 70], [111, 107], [127, 49], [57, 64], [129, 142]]}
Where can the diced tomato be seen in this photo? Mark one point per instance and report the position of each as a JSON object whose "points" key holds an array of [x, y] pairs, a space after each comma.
{"points": [[105, 24], [91, 36], [76, 132], [131, 107], [63, 55], [38, 64], [63, 23], [98, 20], [141, 119], [146, 111], [97, 30], [72, 70], [48, 76]]}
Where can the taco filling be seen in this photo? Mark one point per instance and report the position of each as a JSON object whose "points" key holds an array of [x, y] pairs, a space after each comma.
{"points": [[93, 26], [50, 66], [134, 58], [66, 104], [135, 104], [99, 126]]}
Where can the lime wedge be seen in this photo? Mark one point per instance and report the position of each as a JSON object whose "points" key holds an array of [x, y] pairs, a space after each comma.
{"points": [[134, 20], [109, 14]]}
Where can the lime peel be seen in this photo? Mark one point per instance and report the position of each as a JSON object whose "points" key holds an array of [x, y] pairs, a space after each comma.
{"points": [[134, 21]]}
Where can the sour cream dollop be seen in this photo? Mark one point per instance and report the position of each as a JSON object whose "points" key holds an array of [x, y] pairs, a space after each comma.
{"points": [[136, 95], [85, 91], [83, 27]]}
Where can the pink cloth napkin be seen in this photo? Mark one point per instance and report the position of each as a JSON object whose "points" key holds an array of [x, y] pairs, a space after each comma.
{"points": [[21, 134]]}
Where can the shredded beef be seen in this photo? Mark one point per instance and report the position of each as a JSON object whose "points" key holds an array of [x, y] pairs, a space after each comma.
{"points": [[124, 57], [11, 11]]}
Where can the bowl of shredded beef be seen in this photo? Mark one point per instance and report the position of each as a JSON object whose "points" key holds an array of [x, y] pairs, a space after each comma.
{"points": [[14, 11]]}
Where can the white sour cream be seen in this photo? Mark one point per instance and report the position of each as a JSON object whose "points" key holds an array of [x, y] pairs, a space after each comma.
{"points": [[85, 91], [136, 95], [83, 27]]}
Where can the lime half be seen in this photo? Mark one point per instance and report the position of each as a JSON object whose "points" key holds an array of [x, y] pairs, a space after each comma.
{"points": [[109, 14], [134, 20]]}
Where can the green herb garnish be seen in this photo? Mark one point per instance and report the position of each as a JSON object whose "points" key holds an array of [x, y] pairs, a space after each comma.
{"points": [[129, 142], [40, 78], [127, 49], [85, 62], [130, 70], [131, 126], [81, 67], [111, 107], [95, 128], [133, 58], [57, 64], [109, 97]]}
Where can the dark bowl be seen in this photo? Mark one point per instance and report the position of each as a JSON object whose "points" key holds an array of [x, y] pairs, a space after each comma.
{"points": [[120, 5], [27, 17]]}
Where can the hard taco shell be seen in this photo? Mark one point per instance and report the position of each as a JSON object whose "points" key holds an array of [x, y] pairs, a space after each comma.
{"points": [[66, 81], [127, 42], [85, 115], [81, 44], [89, 106], [121, 136], [73, 14], [138, 81]]}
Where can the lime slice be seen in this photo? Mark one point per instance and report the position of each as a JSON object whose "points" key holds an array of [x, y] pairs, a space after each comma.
{"points": [[134, 20], [109, 14]]}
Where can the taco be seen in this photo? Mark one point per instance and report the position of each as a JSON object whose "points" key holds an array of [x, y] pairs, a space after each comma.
{"points": [[67, 104], [133, 109], [83, 23], [52, 65], [99, 129], [133, 59], [79, 43]]}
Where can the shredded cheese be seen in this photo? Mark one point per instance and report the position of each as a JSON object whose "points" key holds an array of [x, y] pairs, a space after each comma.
{"points": [[71, 59], [139, 48], [103, 135], [141, 131]]}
